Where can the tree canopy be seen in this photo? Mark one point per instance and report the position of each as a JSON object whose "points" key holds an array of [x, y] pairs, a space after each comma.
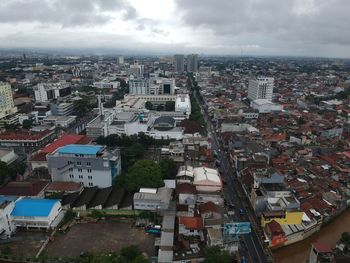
{"points": [[170, 106], [168, 168], [215, 254], [144, 173]]}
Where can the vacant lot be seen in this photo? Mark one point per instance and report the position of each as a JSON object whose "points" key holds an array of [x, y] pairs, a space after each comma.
{"points": [[25, 243], [100, 237]]}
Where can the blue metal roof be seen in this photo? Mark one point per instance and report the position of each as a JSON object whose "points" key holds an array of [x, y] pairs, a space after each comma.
{"points": [[80, 149], [33, 207]]}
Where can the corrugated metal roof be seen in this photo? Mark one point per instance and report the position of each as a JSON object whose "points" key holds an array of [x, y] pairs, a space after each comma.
{"points": [[33, 207]]}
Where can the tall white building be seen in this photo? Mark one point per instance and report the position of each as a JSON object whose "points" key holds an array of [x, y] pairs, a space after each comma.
{"points": [[89, 165], [179, 63], [6, 100], [44, 92], [192, 63], [260, 88]]}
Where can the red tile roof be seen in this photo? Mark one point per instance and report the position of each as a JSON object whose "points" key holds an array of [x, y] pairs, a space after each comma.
{"points": [[186, 188], [195, 223], [25, 136], [322, 247], [64, 187], [275, 228], [23, 188], [207, 207], [62, 141]]}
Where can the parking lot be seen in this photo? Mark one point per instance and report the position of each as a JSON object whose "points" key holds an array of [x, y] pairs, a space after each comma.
{"points": [[100, 237]]}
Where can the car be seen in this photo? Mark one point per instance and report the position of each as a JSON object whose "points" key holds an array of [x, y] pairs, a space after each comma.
{"points": [[231, 213], [241, 212], [231, 205]]}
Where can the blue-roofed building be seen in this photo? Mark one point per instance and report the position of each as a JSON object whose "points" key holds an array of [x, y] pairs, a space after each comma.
{"points": [[37, 213], [89, 165]]}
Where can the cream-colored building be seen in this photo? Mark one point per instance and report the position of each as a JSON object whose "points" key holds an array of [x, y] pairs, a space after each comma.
{"points": [[6, 100]]}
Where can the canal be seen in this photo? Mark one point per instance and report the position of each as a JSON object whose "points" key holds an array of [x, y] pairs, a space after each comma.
{"points": [[330, 234]]}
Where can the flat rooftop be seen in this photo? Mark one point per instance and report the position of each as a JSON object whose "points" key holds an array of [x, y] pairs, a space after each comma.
{"points": [[80, 149]]}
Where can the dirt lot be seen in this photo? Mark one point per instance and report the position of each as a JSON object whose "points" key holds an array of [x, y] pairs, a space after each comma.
{"points": [[100, 237], [25, 243]]}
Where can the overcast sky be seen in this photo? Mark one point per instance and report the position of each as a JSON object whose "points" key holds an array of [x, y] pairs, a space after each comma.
{"points": [[248, 27]]}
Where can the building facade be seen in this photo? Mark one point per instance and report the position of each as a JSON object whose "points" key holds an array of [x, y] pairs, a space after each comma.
{"points": [[179, 63], [260, 88], [89, 165], [6, 100], [192, 63], [44, 92]]}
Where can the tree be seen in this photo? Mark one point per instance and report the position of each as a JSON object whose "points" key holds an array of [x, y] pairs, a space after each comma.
{"points": [[345, 237], [168, 168], [143, 173], [148, 105], [27, 124], [170, 106], [81, 107], [215, 254], [160, 107]]}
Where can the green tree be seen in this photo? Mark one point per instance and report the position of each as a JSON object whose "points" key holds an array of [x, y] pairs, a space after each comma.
{"points": [[148, 105], [160, 107], [215, 254], [27, 124], [6, 173], [143, 173], [81, 107], [170, 106], [345, 237], [168, 168]]}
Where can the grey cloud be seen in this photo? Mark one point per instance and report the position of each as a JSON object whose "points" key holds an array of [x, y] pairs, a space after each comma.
{"points": [[65, 13], [319, 22]]}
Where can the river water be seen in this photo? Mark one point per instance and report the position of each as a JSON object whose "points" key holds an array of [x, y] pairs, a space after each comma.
{"points": [[330, 234]]}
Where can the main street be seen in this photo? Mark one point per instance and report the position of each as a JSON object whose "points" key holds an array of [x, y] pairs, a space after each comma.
{"points": [[251, 246]]}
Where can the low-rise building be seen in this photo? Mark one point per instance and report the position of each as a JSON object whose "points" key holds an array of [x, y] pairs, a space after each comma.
{"points": [[37, 213], [152, 199]]}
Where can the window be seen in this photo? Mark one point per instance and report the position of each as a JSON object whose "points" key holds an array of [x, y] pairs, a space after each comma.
{"points": [[70, 169], [89, 170], [90, 177], [71, 176], [80, 170], [88, 164], [90, 184], [80, 176], [70, 162], [78, 163]]}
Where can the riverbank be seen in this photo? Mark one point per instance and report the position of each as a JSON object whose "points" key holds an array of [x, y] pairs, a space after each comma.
{"points": [[329, 234]]}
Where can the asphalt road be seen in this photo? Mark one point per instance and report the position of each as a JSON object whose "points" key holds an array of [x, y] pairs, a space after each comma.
{"points": [[251, 247]]}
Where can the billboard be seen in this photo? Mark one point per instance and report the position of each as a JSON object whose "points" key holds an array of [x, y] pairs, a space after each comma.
{"points": [[232, 230]]}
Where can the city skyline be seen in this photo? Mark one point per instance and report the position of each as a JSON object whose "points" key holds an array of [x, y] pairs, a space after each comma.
{"points": [[252, 28]]}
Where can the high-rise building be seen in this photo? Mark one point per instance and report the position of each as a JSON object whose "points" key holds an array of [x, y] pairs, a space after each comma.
{"points": [[120, 60], [6, 100], [179, 63], [260, 88], [192, 63]]}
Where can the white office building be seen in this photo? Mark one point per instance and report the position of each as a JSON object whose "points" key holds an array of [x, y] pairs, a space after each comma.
{"points": [[89, 165], [45, 92], [6, 100], [261, 88]]}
